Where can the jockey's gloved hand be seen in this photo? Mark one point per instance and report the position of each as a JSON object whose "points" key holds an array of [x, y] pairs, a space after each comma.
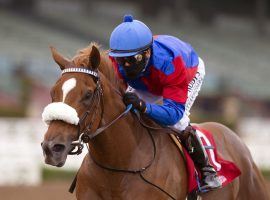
{"points": [[137, 103]]}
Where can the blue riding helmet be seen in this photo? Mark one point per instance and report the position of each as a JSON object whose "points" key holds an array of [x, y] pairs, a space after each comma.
{"points": [[130, 38]]}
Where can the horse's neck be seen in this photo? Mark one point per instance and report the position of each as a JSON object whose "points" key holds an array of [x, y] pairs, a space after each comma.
{"points": [[125, 141]]}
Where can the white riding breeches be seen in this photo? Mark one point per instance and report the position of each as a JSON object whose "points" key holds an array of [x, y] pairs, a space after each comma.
{"points": [[193, 90]]}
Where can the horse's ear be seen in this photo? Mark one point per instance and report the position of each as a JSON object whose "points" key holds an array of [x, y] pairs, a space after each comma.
{"points": [[94, 59], [59, 59]]}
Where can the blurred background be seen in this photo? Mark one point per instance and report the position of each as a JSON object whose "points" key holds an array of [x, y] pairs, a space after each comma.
{"points": [[232, 36]]}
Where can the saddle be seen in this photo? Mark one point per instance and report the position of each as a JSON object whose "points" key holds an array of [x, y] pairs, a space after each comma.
{"points": [[227, 171]]}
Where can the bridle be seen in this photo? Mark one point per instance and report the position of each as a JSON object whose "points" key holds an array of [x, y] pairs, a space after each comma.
{"points": [[85, 135], [96, 100]]}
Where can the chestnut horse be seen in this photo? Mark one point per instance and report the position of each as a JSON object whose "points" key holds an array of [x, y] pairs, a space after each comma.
{"points": [[126, 160]]}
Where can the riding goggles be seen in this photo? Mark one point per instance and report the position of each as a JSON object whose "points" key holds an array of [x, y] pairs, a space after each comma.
{"points": [[136, 59]]}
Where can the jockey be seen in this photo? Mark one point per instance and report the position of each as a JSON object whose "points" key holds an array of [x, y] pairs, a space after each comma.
{"points": [[164, 76]]}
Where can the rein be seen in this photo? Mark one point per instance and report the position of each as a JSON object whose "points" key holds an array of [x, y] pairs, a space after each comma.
{"points": [[86, 136]]}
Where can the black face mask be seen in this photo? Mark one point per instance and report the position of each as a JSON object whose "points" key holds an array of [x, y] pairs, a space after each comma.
{"points": [[137, 64]]}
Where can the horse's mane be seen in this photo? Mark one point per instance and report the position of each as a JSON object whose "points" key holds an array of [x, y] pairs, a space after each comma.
{"points": [[106, 66]]}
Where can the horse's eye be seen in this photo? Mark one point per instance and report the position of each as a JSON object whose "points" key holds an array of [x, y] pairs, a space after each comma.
{"points": [[87, 98], [88, 95]]}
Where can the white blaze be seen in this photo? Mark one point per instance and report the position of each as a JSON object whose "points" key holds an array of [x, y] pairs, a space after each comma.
{"points": [[67, 87], [61, 110]]}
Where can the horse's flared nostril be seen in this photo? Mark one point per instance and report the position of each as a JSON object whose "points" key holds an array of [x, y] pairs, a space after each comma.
{"points": [[58, 148], [46, 149]]}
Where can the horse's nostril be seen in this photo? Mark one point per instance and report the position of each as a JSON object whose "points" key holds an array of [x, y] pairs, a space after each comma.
{"points": [[58, 148]]}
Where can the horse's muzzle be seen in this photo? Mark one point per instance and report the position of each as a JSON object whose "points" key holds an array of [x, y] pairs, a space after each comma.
{"points": [[55, 153]]}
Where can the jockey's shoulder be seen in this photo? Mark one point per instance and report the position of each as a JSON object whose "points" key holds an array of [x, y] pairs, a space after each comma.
{"points": [[165, 38], [163, 56], [168, 48], [163, 63]]}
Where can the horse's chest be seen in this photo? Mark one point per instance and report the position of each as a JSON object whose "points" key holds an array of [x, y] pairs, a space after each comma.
{"points": [[131, 187]]}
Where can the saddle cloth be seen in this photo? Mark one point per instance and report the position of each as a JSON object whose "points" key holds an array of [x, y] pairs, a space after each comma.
{"points": [[227, 171]]}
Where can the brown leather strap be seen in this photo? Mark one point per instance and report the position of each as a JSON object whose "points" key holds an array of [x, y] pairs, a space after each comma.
{"points": [[179, 145], [73, 185]]}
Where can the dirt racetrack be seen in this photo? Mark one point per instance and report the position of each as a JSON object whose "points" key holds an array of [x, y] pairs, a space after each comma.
{"points": [[46, 191]]}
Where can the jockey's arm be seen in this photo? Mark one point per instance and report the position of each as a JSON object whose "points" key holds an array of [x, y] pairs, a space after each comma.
{"points": [[175, 88], [167, 114]]}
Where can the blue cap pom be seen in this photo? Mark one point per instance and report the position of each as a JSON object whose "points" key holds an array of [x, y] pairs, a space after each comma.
{"points": [[128, 18]]}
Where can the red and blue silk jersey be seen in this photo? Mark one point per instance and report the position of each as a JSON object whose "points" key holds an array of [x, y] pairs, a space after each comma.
{"points": [[172, 65]]}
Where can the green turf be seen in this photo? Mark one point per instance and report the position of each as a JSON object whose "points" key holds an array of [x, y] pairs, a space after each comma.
{"points": [[266, 174], [54, 174]]}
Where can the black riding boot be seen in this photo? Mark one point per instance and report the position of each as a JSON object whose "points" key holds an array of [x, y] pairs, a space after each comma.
{"points": [[194, 145]]}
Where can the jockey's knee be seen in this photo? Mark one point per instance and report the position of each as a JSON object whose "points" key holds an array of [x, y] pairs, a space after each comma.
{"points": [[183, 123]]}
